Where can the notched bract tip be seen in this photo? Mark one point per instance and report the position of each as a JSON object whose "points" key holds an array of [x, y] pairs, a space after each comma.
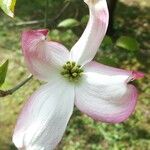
{"points": [[135, 75]]}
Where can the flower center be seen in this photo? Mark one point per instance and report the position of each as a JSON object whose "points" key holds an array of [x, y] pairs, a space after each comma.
{"points": [[72, 71]]}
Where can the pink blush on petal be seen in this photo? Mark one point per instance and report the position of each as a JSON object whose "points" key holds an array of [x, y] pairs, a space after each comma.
{"points": [[137, 75], [43, 31]]}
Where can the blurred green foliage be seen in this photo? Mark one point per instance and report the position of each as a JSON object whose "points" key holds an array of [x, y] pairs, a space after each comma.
{"points": [[83, 133]]}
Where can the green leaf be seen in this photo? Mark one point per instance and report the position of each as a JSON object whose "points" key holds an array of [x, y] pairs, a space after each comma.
{"points": [[107, 43], [8, 6], [84, 19], [127, 43], [3, 72], [107, 40], [69, 23]]}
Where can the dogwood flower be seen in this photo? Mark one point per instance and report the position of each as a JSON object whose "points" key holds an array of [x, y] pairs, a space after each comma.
{"points": [[100, 91]]}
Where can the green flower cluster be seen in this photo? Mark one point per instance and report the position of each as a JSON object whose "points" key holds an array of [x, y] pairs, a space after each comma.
{"points": [[72, 71]]}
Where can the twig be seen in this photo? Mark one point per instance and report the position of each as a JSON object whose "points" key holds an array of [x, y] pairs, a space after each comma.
{"points": [[24, 23], [62, 10], [49, 21], [46, 13], [14, 89]]}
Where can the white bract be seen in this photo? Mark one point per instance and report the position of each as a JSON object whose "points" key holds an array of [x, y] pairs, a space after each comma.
{"points": [[100, 91]]}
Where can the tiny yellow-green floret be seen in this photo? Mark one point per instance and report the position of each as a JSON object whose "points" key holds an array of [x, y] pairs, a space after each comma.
{"points": [[72, 71]]}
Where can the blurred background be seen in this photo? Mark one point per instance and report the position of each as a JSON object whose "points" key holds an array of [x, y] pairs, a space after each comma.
{"points": [[127, 46]]}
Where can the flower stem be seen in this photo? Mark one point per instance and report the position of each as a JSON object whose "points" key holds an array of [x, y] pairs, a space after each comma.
{"points": [[14, 89]]}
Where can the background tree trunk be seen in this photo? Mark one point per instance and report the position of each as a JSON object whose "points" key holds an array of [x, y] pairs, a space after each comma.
{"points": [[112, 6]]}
